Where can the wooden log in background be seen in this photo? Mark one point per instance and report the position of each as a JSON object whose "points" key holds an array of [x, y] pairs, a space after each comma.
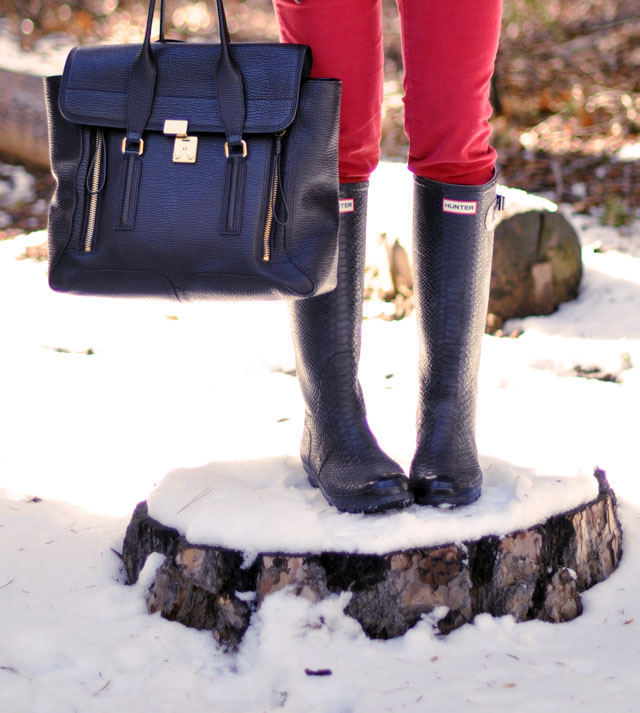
{"points": [[23, 119], [537, 264], [537, 573]]}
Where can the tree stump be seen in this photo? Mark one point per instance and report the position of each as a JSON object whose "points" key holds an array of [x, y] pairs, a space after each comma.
{"points": [[536, 573]]}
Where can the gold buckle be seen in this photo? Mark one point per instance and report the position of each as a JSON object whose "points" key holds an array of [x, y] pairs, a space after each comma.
{"points": [[140, 146], [244, 148]]}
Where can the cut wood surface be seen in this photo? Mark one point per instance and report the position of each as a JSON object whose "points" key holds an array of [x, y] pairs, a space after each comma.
{"points": [[536, 573]]}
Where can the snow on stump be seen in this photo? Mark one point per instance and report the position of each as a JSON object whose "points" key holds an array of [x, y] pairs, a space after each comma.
{"points": [[533, 573]]}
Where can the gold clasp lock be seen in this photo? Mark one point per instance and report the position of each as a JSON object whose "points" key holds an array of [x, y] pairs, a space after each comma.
{"points": [[185, 148]]}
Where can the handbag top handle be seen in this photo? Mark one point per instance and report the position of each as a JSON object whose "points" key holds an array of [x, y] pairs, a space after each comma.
{"points": [[226, 75], [222, 21]]}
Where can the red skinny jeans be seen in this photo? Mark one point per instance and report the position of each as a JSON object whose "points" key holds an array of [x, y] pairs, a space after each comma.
{"points": [[448, 48]]}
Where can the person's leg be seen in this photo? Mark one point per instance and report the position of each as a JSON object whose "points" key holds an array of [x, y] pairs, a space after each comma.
{"points": [[345, 37], [449, 50], [339, 453]]}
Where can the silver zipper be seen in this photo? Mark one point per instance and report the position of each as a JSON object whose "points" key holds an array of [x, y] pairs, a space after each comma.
{"points": [[93, 193]]}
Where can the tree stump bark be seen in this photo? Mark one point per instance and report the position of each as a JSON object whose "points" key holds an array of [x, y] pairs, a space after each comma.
{"points": [[537, 573]]}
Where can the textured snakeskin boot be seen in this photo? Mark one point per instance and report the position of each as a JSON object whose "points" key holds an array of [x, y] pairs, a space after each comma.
{"points": [[453, 247], [339, 453]]}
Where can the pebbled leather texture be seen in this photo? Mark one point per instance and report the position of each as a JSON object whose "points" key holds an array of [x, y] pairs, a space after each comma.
{"points": [[452, 254], [201, 230], [339, 453]]}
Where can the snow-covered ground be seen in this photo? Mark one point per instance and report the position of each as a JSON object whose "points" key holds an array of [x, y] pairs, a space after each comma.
{"points": [[104, 401]]}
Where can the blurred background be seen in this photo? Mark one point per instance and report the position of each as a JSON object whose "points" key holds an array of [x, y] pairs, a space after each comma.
{"points": [[566, 92]]}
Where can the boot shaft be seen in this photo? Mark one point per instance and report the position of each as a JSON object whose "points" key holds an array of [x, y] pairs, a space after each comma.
{"points": [[452, 253], [326, 330]]}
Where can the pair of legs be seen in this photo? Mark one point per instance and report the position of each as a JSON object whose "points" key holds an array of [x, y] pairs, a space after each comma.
{"points": [[449, 50]]}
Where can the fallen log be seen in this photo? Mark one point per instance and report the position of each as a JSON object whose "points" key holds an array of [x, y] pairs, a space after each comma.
{"points": [[537, 261], [535, 573], [23, 118]]}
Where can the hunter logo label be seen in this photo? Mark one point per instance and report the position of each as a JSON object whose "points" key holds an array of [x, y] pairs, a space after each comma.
{"points": [[347, 205], [459, 207]]}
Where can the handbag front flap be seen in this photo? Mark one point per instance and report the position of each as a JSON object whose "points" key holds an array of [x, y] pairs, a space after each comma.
{"points": [[95, 84]]}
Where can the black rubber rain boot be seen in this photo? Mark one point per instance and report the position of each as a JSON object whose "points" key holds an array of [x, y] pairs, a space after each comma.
{"points": [[339, 453], [452, 252]]}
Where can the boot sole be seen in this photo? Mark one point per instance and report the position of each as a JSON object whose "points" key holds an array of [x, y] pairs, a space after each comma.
{"points": [[458, 499], [365, 503]]}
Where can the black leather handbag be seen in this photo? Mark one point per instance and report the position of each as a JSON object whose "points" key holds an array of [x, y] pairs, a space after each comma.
{"points": [[193, 171]]}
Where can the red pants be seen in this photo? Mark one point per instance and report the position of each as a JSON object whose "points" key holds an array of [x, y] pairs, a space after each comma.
{"points": [[449, 49]]}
